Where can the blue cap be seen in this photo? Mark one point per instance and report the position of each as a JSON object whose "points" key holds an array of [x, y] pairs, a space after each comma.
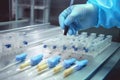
{"points": [[69, 62], [86, 49], [81, 64], [21, 57], [52, 62], [35, 60], [54, 47], [73, 46], [75, 49], [8, 45], [25, 42], [45, 46], [64, 47]]}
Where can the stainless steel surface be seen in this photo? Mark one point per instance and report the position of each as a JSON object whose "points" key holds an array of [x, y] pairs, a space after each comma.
{"points": [[26, 28], [37, 35], [107, 67], [92, 66], [83, 74]]}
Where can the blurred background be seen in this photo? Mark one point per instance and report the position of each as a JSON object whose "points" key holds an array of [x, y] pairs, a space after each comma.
{"points": [[20, 13]]}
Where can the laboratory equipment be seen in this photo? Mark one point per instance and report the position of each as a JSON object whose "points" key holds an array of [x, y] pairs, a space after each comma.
{"points": [[19, 59], [79, 65], [44, 65], [34, 61], [75, 68], [72, 47], [60, 67], [50, 63], [82, 44]]}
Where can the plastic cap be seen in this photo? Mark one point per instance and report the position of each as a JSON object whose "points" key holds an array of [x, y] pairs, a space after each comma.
{"points": [[64, 47], [75, 49], [54, 47], [8, 45], [52, 62], [69, 62], [21, 57], [35, 60], [44, 46], [85, 49], [81, 64], [73, 46], [25, 42]]}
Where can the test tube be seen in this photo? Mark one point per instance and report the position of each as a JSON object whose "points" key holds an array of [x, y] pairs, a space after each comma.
{"points": [[99, 38], [19, 59], [50, 63], [32, 62], [79, 65], [45, 65], [60, 67]]}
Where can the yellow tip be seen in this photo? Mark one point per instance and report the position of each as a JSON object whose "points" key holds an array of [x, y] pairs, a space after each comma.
{"points": [[27, 63], [41, 64], [67, 72], [57, 69], [42, 67]]}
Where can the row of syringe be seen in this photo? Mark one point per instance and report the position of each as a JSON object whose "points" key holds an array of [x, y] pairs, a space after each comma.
{"points": [[83, 42], [53, 64]]}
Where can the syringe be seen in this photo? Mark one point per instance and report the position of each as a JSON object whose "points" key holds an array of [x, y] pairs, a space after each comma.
{"points": [[19, 59], [79, 65], [50, 63], [44, 65], [32, 62], [60, 67]]}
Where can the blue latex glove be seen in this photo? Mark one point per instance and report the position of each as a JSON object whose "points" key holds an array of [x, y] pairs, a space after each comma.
{"points": [[78, 17], [109, 12]]}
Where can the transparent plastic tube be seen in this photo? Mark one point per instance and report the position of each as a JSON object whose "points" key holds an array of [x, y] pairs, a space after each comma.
{"points": [[19, 59], [100, 45], [60, 67], [79, 65]]}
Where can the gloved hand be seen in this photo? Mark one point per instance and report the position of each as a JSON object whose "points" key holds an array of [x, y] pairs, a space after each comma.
{"points": [[78, 17]]}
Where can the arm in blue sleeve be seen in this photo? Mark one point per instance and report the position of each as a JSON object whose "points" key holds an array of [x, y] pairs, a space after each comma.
{"points": [[108, 13]]}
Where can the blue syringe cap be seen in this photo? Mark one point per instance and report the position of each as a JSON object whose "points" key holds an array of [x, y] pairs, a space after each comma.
{"points": [[64, 47], [45, 46], [52, 62], [21, 57], [81, 64], [54, 47], [69, 62], [25, 42], [73, 46], [8, 45], [35, 60], [76, 49], [85, 49]]}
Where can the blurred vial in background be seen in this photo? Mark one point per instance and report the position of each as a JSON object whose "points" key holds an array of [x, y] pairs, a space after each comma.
{"points": [[7, 43]]}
